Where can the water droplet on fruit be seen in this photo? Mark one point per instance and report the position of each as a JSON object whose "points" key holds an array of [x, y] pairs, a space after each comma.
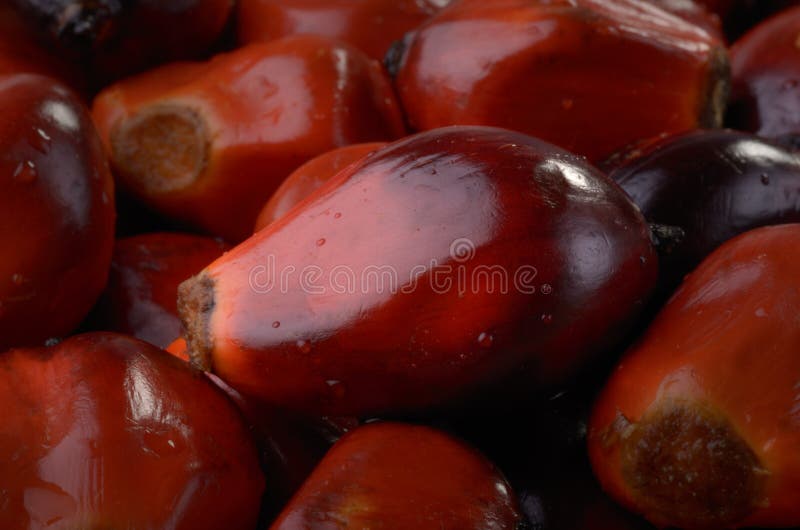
{"points": [[547, 289], [547, 319], [485, 340], [304, 346], [337, 215], [321, 242], [276, 324], [765, 179], [26, 172]]}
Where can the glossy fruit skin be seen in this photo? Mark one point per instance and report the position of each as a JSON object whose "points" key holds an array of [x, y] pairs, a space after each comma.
{"points": [[714, 185], [436, 211], [105, 431], [309, 177], [140, 298], [396, 476], [590, 76], [695, 12], [56, 211], [370, 25], [766, 77], [725, 343], [267, 108]]}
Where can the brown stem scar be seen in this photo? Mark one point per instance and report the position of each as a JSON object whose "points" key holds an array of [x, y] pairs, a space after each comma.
{"points": [[161, 148], [688, 467], [195, 306]]}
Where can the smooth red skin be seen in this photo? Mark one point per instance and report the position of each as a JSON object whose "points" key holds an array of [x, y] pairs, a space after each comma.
{"points": [[271, 107], [309, 177], [726, 183], [590, 76], [370, 25], [85, 441], [56, 220], [766, 77], [396, 476], [729, 337], [140, 298], [369, 351]]}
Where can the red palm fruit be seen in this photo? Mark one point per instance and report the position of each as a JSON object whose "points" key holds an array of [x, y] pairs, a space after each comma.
{"points": [[140, 298], [56, 211], [370, 25], [591, 76], [310, 176], [397, 477], [105, 431], [290, 447], [766, 77], [713, 185], [208, 143], [698, 427], [435, 268]]}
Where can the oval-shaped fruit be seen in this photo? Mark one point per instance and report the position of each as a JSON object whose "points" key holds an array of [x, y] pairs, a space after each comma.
{"points": [[438, 266], [310, 176], [141, 296], [395, 476], [105, 431], [370, 25], [766, 77], [591, 76], [56, 211], [209, 143], [714, 185], [699, 425]]}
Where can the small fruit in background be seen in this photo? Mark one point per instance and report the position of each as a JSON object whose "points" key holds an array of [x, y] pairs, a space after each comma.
{"points": [[590, 76], [433, 270], [370, 25], [56, 211], [698, 426], [309, 177], [208, 143], [397, 476], [713, 185], [105, 431], [140, 298]]}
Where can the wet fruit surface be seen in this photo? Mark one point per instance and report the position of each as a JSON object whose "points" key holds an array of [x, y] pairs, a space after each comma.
{"points": [[438, 266], [713, 185], [309, 177], [56, 210], [104, 431], [697, 426]]}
